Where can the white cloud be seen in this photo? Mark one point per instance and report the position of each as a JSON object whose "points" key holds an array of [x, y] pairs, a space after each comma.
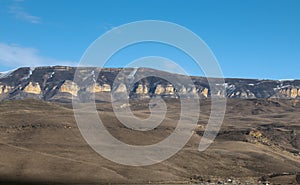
{"points": [[18, 11], [13, 55]]}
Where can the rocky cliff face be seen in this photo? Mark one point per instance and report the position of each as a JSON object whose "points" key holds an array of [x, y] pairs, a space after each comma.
{"points": [[33, 88], [57, 83]]}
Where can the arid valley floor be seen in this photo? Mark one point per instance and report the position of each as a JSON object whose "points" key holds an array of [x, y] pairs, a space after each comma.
{"points": [[259, 143]]}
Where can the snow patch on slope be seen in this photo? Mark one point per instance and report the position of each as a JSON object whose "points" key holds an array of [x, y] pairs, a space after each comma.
{"points": [[6, 73], [52, 74], [131, 75], [29, 73]]}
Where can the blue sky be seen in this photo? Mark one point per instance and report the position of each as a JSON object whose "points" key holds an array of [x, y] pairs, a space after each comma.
{"points": [[250, 39]]}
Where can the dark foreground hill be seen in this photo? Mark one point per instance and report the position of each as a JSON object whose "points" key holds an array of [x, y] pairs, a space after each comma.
{"points": [[259, 143]]}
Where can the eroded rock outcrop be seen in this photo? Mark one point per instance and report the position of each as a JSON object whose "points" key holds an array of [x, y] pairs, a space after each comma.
{"points": [[33, 88], [205, 92], [69, 87], [121, 88], [96, 88], [106, 88], [245, 94], [291, 92], [159, 89], [5, 89], [169, 90], [142, 89], [183, 90]]}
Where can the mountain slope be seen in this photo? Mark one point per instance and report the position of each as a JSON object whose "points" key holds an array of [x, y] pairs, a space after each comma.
{"points": [[57, 84]]}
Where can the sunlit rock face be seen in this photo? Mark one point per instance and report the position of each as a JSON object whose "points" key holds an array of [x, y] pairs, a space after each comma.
{"points": [[291, 92], [33, 88], [244, 94], [205, 92], [294, 92], [193, 90], [69, 87], [95, 88], [5, 89], [106, 88], [121, 88], [57, 83], [159, 89], [183, 90], [169, 90], [142, 89]]}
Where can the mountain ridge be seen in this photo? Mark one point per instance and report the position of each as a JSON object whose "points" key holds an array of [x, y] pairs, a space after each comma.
{"points": [[56, 83]]}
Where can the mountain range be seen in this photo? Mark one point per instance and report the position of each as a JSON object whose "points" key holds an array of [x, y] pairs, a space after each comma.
{"points": [[56, 83]]}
